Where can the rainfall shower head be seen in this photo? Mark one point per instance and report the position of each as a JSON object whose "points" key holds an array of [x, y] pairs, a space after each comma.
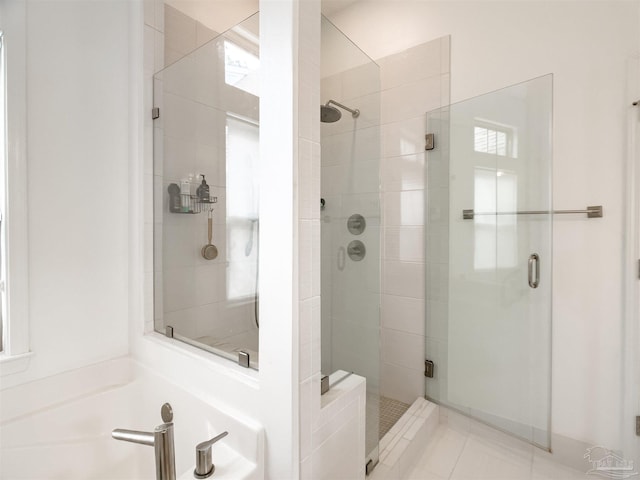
{"points": [[329, 114]]}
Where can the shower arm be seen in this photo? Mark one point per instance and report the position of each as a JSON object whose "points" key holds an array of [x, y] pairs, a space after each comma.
{"points": [[354, 113]]}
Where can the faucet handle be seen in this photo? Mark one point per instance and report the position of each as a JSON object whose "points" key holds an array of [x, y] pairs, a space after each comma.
{"points": [[166, 413], [204, 464]]}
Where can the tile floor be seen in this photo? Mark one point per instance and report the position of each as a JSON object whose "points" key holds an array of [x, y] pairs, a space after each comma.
{"points": [[390, 412], [474, 451]]}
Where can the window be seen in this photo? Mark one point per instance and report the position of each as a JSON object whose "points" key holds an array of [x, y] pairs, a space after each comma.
{"points": [[494, 139], [15, 353], [495, 236], [242, 148], [241, 68], [495, 190]]}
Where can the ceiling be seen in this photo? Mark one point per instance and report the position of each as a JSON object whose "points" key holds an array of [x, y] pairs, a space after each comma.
{"points": [[221, 15]]}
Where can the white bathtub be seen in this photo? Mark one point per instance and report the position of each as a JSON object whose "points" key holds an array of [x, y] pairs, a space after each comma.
{"points": [[60, 427]]}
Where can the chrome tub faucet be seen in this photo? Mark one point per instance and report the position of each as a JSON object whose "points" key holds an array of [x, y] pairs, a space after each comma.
{"points": [[162, 441]]}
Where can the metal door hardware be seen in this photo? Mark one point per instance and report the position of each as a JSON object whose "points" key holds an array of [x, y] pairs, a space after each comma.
{"points": [[534, 258], [168, 331], [368, 468], [155, 113], [243, 359], [324, 384], [341, 259], [429, 141], [429, 367], [638, 425]]}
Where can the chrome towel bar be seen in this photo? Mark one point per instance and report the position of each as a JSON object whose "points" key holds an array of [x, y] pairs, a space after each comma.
{"points": [[592, 212]]}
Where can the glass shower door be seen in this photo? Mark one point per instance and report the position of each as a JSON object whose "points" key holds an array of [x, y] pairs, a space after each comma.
{"points": [[350, 221], [489, 292]]}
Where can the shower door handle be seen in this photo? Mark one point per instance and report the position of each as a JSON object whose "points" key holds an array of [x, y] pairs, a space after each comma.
{"points": [[534, 258]]}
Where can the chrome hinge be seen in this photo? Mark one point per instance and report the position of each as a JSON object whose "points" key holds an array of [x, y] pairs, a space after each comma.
{"points": [[168, 331], [638, 425], [155, 113], [370, 465], [324, 384], [243, 359], [428, 368], [430, 141]]}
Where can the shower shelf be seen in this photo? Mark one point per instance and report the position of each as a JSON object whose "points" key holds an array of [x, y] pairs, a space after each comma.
{"points": [[194, 204]]}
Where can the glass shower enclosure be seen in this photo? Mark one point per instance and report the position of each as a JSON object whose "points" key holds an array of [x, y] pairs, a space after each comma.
{"points": [[350, 219], [206, 144], [489, 212]]}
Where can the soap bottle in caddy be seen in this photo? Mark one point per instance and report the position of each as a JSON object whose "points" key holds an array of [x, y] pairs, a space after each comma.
{"points": [[203, 191]]}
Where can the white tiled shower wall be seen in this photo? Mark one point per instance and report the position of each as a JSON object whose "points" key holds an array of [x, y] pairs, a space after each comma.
{"points": [[414, 82], [375, 166]]}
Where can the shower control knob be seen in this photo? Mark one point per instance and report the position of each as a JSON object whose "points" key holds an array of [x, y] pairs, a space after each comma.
{"points": [[356, 250], [356, 224]]}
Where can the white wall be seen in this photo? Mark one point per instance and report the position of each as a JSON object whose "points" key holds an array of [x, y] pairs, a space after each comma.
{"points": [[217, 15], [585, 45], [77, 140], [183, 34]]}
